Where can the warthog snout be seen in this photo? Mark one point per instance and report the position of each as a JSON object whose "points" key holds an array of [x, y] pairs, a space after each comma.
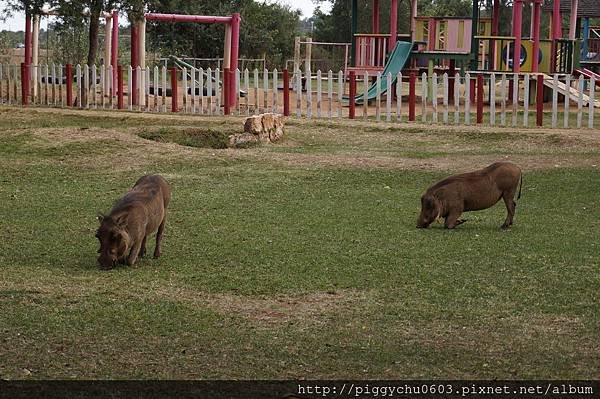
{"points": [[113, 242], [423, 224], [107, 262], [108, 259], [429, 212]]}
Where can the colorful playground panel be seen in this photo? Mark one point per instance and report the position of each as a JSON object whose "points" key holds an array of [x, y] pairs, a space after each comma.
{"points": [[505, 52], [452, 34], [395, 63]]}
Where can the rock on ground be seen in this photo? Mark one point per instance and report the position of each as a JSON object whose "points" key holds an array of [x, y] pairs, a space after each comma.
{"points": [[266, 128]]}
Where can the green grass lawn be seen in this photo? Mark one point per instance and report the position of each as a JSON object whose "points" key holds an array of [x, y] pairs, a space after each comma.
{"points": [[295, 260]]}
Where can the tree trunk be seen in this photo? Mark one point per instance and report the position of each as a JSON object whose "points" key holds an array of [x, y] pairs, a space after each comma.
{"points": [[95, 10]]}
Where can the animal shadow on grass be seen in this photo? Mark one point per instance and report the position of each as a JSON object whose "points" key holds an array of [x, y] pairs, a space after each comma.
{"points": [[469, 224]]}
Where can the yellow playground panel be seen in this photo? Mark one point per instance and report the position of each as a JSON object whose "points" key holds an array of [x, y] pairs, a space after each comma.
{"points": [[505, 51]]}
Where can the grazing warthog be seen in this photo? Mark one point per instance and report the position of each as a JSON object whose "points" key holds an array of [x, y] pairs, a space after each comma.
{"points": [[472, 191], [135, 216]]}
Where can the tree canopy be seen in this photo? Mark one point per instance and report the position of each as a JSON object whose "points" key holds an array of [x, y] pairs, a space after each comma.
{"points": [[266, 29]]}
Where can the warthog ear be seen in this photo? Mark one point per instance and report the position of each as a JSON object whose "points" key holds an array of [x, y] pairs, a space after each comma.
{"points": [[120, 222]]}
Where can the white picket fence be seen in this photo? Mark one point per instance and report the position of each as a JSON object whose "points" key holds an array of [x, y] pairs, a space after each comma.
{"points": [[10, 84], [311, 95]]}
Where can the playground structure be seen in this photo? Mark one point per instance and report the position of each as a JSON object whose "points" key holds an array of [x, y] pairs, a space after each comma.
{"points": [[590, 49], [448, 33], [396, 61], [230, 51], [533, 54], [213, 62], [590, 35], [440, 52], [138, 48], [445, 43], [441, 40], [32, 32], [307, 60], [369, 51], [437, 43]]}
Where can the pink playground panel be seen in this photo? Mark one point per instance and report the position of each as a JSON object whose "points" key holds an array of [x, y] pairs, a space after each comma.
{"points": [[452, 36]]}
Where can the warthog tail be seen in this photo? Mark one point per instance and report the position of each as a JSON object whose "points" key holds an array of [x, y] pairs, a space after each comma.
{"points": [[520, 186]]}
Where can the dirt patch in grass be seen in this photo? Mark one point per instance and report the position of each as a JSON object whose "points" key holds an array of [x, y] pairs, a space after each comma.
{"points": [[191, 137], [425, 147], [306, 308], [90, 148], [456, 163]]}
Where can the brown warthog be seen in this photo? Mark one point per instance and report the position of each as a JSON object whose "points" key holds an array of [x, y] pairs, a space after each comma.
{"points": [[472, 191], [140, 212]]}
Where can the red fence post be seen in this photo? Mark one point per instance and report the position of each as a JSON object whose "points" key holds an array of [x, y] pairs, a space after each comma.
{"points": [[411, 96], [451, 77], [540, 100], [24, 84], [69, 74], [120, 86], [174, 106], [226, 90], [286, 93], [352, 104], [234, 91], [480, 98]]}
